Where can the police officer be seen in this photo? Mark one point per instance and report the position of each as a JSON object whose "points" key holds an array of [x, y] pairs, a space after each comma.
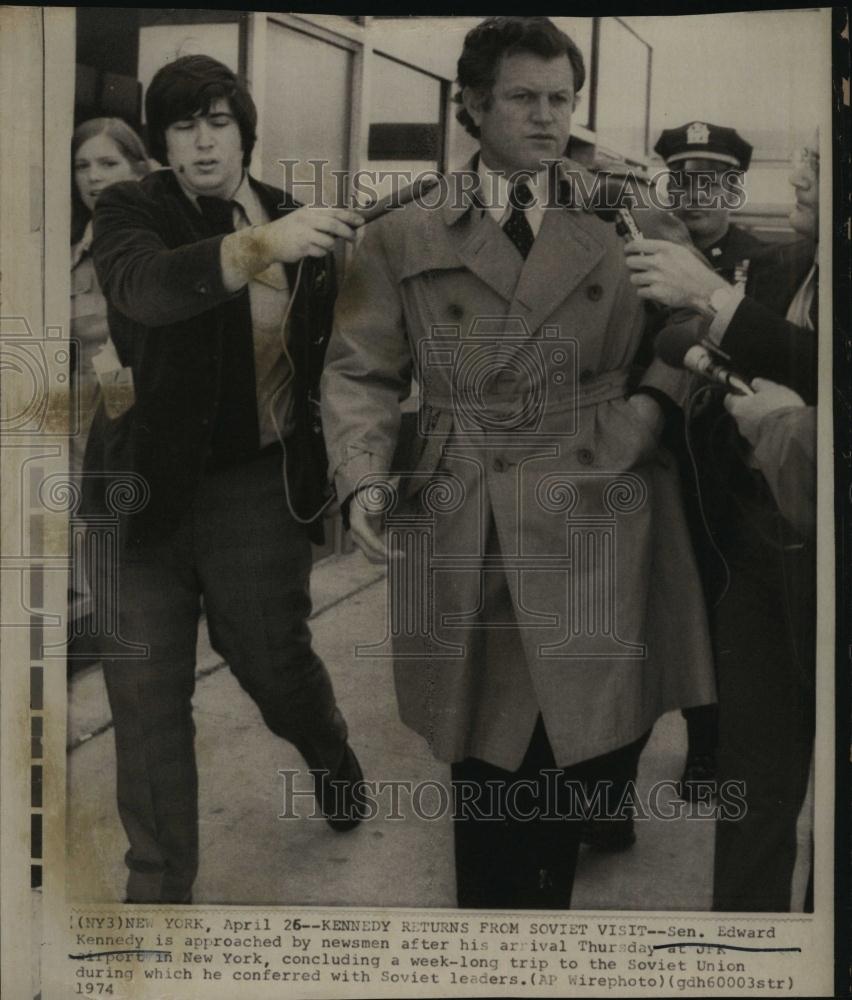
{"points": [[762, 619], [707, 164]]}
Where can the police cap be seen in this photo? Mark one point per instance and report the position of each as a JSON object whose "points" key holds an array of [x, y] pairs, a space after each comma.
{"points": [[703, 141]]}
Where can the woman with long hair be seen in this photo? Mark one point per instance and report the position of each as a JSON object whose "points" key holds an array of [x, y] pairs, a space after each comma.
{"points": [[103, 151]]}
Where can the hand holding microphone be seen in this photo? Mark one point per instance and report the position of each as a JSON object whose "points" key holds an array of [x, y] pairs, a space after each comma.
{"points": [[308, 232], [311, 232], [671, 274], [768, 397], [305, 232], [677, 346]]}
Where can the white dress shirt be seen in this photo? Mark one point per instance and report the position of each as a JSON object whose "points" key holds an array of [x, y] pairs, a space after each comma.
{"points": [[269, 298], [494, 195]]}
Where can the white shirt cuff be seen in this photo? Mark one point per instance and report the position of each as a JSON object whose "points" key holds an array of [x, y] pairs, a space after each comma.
{"points": [[724, 315]]}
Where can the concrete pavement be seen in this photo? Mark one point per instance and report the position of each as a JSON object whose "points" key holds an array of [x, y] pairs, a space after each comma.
{"points": [[249, 855]]}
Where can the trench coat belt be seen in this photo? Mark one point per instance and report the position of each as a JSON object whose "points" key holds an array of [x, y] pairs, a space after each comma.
{"points": [[587, 392]]}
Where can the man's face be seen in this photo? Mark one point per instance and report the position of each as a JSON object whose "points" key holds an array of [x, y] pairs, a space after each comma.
{"points": [[529, 117], [206, 151], [702, 201], [804, 217]]}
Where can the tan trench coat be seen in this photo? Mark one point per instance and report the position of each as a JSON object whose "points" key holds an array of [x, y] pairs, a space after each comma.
{"points": [[547, 566]]}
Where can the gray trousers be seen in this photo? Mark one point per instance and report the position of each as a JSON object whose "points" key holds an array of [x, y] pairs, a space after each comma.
{"points": [[238, 549]]}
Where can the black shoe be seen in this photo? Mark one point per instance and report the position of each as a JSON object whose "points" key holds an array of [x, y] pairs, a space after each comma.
{"points": [[341, 809], [698, 775], [608, 836]]}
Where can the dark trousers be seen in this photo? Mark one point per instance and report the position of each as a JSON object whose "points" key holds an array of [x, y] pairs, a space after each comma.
{"points": [[517, 833], [763, 634], [239, 550], [613, 777], [702, 730]]}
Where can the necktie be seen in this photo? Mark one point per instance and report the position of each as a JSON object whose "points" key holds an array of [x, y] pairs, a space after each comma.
{"points": [[517, 226], [218, 212]]}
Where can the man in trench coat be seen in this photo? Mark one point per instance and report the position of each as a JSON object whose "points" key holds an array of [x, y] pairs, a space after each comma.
{"points": [[544, 604]]}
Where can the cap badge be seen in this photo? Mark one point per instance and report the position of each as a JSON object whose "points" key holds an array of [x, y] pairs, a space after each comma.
{"points": [[698, 134]]}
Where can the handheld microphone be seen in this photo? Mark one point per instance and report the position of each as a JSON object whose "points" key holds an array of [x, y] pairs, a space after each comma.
{"points": [[626, 226], [624, 199], [396, 199], [680, 349]]}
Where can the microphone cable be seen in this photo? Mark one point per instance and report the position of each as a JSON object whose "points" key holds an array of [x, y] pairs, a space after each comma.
{"points": [[282, 333], [705, 389]]}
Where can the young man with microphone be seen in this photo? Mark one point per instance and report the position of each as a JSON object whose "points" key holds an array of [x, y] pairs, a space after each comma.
{"points": [[763, 620], [220, 293]]}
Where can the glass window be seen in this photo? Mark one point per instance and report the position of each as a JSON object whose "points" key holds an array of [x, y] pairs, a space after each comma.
{"points": [[308, 98], [406, 121], [579, 30], [622, 108]]}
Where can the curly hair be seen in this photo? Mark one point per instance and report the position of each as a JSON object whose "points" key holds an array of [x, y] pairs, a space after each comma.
{"points": [[495, 37], [190, 84]]}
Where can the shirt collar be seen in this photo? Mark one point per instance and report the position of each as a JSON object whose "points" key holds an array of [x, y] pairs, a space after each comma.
{"points": [[246, 197], [494, 187], [470, 187]]}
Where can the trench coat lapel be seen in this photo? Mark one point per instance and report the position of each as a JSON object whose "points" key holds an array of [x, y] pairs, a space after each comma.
{"points": [[486, 252], [564, 252]]}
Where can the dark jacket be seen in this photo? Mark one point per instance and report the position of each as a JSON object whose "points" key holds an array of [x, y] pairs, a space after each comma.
{"points": [[761, 342], [735, 247], [157, 259], [758, 338]]}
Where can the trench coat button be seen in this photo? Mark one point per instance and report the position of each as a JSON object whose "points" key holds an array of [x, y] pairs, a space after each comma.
{"points": [[202, 288], [595, 292], [498, 465], [585, 456], [586, 376]]}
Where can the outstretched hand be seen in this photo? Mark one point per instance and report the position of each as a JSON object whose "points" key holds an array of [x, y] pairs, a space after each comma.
{"points": [[309, 232], [671, 274], [749, 411]]}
